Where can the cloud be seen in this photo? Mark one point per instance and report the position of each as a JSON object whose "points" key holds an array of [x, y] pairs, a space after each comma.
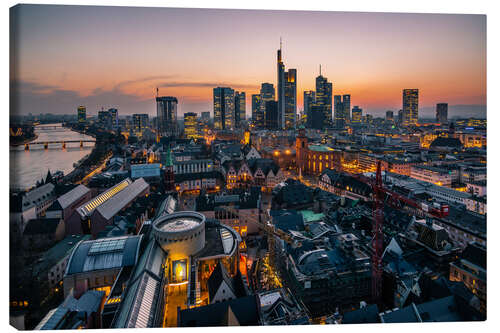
{"points": [[208, 85], [125, 83]]}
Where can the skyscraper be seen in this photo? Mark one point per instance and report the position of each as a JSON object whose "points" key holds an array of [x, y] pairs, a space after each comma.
{"points": [[442, 113], [267, 93], [190, 124], [324, 98], [346, 103], [256, 113], [104, 118], [410, 106], [272, 114], [166, 113], [224, 111], [389, 116], [140, 122], [239, 108], [281, 90], [309, 100], [357, 115], [114, 116], [400, 116], [82, 114], [290, 98]]}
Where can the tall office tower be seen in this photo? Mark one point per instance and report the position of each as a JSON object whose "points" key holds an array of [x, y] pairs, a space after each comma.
{"points": [[166, 116], [338, 108], [82, 114], [281, 90], [357, 115], [309, 100], [410, 107], [316, 117], [324, 98], [389, 116], [104, 118], [224, 114], [400, 117], [272, 115], [205, 117], [255, 106], [442, 113], [267, 93], [346, 103], [240, 103], [290, 98], [140, 122], [114, 116], [190, 124]]}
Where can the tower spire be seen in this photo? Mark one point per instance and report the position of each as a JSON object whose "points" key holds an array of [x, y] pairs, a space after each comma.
{"points": [[319, 69], [280, 42], [157, 94]]}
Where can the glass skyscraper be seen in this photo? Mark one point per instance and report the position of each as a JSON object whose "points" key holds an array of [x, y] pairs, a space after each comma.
{"points": [[442, 113], [410, 106], [190, 124], [309, 100], [290, 98], [240, 108], [166, 113], [281, 90], [224, 110], [324, 98], [357, 115], [82, 114]]}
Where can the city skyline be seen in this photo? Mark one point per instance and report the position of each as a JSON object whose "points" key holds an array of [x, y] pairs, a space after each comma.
{"points": [[198, 58]]}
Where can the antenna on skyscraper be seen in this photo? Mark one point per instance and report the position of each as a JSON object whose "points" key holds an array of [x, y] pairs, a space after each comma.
{"points": [[319, 69], [280, 42], [157, 92]]}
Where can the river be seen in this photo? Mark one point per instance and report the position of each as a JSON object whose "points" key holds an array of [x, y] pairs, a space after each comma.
{"points": [[28, 166]]}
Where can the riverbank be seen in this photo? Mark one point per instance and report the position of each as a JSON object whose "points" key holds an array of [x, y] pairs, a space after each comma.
{"points": [[24, 141]]}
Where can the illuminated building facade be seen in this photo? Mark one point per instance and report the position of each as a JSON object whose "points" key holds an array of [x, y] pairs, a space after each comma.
{"points": [[82, 114], [442, 113], [140, 123], [313, 159], [357, 115], [239, 108], [224, 110], [410, 107], [389, 116], [166, 113], [290, 98], [342, 110], [281, 90], [190, 125], [256, 114], [324, 98]]}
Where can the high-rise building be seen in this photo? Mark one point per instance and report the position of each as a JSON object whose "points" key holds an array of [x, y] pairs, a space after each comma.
{"points": [[190, 125], [309, 100], [324, 98], [256, 108], [400, 116], [316, 117], [82, 114], [224, 111], [140, 122], [357, 115], [114, 116], [240, 103], [272, 115], [442, 113], [104, 118], [290, 98], [346, 103], [166, 116], [389, 116], [205, 117], [410, 107], [281, 90]]}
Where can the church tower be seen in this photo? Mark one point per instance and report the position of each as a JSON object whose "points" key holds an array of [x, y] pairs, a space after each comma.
{"points": [[301, 148]]}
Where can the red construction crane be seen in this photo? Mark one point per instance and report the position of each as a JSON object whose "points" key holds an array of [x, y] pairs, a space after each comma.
{"points": [[378, 237]]}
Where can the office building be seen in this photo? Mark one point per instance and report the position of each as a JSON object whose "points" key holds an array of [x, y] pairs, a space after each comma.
{"points": [[190, 124], [166, 113], [281, 91], [290, 98], [239, 108], [342, 109], [400, 117], [410, 107], [357, 115], [82, 114], [389, 116], [224, 110], [346, 103], [442, 113], [104, 119], [256, 110], [272, 115], [113, 112], [140, 122], [309, 100], [324, 98]]}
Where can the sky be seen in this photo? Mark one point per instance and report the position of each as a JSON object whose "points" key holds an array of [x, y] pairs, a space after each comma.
{"points": [[103, 57]]}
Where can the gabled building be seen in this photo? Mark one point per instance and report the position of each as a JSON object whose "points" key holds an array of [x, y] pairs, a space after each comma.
{"points": [[222, 287]]}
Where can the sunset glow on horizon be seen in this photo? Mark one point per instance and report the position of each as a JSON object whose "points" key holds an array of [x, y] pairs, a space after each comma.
{"points": [[64, 56]]}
